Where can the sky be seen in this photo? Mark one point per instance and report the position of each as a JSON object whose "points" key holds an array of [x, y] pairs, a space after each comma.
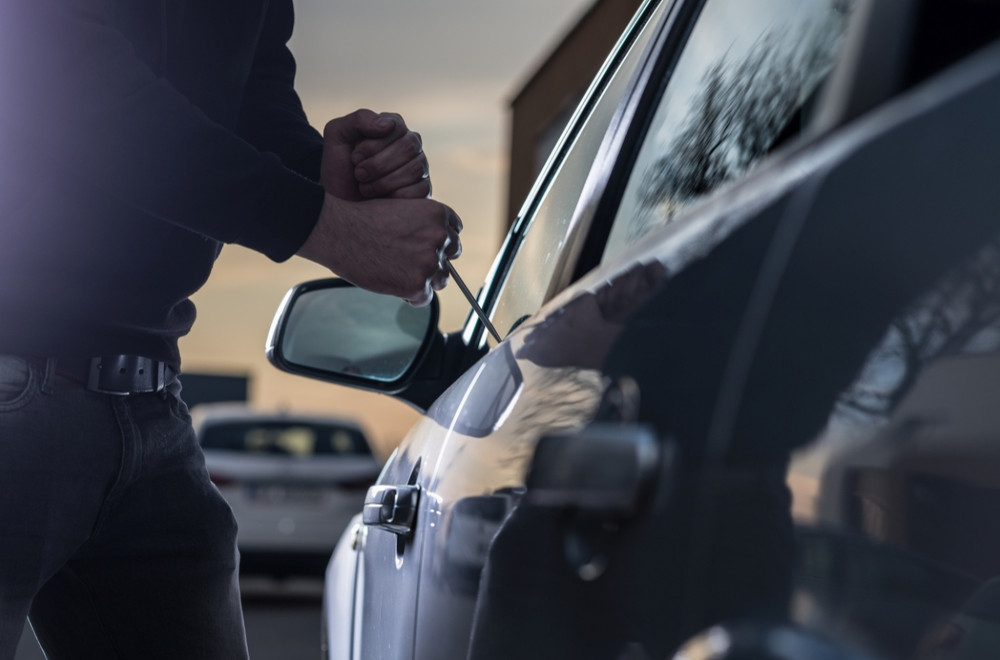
{"points": [[450, 68]]}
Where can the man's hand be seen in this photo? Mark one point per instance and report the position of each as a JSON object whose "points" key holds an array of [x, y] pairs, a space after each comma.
{"points": [[368, 155], [391, 246]]}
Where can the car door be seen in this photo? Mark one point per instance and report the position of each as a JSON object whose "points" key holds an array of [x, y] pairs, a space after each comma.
{"points": [[896, 503], [895, 496], [856, 282], [397, 614], [550, 374]]}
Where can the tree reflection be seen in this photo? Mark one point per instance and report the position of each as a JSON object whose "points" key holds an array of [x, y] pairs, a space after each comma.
{"points": [[562, 400], [961, 315], [562, 356], [742, 111]]}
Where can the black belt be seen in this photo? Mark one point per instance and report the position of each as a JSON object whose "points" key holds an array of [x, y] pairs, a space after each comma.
{"points": [[118, 374]]}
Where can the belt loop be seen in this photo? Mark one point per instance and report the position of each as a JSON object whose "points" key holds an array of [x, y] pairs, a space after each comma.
{"points": [[48, 386]]}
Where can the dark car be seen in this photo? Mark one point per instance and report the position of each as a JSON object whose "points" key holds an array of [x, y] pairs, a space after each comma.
{"points": [[749, 369]]}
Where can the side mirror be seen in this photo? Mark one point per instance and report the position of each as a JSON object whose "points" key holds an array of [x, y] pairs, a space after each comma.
{"points": [[333, 331]]}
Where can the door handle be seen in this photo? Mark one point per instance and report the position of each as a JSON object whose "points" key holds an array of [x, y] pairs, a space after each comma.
{"points": [[393, 508]]}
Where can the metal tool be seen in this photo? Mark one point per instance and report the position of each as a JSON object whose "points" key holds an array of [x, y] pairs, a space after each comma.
{"points": [[472, 301]]}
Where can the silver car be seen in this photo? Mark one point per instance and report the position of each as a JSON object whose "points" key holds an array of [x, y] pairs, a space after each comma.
{"points": [[293, 482]]}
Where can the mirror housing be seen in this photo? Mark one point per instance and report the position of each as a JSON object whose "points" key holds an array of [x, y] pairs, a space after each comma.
{"points": [[332, 331]]}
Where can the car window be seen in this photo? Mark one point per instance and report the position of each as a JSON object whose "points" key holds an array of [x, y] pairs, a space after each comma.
{"points": [[549, 226], [745, 82], [298, 439]]}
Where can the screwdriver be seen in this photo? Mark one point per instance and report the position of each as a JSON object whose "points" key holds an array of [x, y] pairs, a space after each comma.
{"points": [[472, 300]]}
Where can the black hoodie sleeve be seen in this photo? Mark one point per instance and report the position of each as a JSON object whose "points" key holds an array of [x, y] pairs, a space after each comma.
{"points": [[78, 101], [271, 117]]}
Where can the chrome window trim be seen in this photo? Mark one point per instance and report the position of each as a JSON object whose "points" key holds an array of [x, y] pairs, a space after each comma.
{"points": [[474, 333]]}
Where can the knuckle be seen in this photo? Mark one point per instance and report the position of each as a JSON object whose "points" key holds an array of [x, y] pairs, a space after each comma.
{"points": [[391, 118], [416, 169], [358, 117], [331, 129], [414, 143], [416, 191]]}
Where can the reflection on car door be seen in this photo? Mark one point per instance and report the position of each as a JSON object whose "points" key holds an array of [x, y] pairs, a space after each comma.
{"points": [[555, 372], [738, 298], [416, 593], [874, 297], [898, 503]]}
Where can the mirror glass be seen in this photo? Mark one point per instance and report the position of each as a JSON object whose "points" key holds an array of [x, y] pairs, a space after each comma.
{"points": [[350, 331]]}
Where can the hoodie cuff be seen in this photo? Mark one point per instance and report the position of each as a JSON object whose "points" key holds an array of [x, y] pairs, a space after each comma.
{"points": [[286, 217]]}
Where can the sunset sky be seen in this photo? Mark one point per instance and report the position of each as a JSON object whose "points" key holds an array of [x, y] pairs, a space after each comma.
{"points": [[450, 68]]}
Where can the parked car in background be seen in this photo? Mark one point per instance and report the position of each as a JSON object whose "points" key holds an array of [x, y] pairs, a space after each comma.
{"points": [[744, 401], [293, 482]]}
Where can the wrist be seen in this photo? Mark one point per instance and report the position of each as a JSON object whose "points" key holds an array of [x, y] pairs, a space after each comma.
{"points": [[314, 246]]}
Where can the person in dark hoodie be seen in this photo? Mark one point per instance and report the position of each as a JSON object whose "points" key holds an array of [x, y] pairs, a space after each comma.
{"points": [[137, 137]]}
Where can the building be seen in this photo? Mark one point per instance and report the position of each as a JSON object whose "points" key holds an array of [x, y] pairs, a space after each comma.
{"points": [[214, 388], [543, 105]]}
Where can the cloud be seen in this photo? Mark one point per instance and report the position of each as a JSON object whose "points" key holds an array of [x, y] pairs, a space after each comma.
{"points": [[477, 160], [404, 46]]}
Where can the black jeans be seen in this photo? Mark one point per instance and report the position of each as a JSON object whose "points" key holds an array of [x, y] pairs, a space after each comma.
{"points": [[113, 541]]}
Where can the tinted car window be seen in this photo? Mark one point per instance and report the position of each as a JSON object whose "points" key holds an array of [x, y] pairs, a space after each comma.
{"points": [[285, 438], [745, 82], [550, 225]]}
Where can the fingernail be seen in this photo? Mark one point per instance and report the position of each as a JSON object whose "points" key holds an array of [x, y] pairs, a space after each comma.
{"points": [[361, 174]]}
